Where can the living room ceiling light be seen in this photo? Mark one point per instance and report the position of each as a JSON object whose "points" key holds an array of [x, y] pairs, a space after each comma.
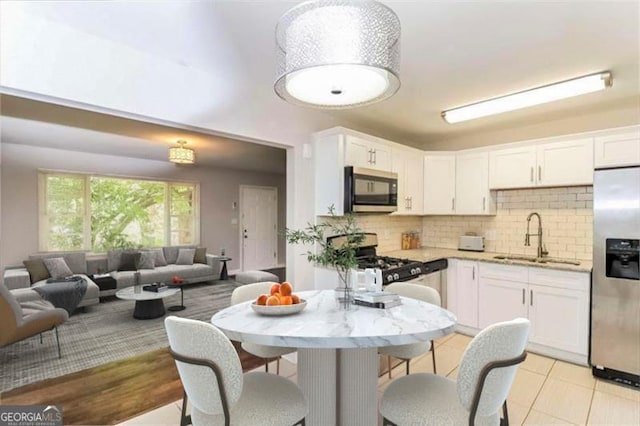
{"points": [[531, 97], [181, 155], [338, 54]]}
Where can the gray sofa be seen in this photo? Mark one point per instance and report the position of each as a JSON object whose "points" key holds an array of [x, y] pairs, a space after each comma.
{"points": [[18, 281]]}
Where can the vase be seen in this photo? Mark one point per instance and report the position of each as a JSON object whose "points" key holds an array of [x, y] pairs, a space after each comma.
{"points": [[344, 292]]}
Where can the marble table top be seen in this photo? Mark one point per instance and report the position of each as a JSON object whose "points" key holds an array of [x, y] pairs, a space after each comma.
{"points": [[130, 293], [323, 324]]}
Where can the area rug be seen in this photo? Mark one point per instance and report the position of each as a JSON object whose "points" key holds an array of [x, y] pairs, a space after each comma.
{"points": [[105, 333]]}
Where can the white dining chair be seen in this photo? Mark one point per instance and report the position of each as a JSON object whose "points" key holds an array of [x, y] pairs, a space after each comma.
{"points": [[412, 350], [219, 392], [485, 375], [248, 292]]}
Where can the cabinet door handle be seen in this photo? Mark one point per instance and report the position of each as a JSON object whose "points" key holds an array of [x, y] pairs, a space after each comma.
{"points": [[410, 203], [531, 173], [473, 273], [530, 297], [523, 296], [375, 157], [453, 204], [484, 203], [370, 156], [539, 173]]}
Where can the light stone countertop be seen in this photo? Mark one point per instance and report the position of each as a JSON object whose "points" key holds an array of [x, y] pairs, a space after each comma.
{"points": [[426, 254], [323, 324]]}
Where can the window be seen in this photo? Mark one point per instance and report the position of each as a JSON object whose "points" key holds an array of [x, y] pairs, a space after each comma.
{"points": [[98, 213]]}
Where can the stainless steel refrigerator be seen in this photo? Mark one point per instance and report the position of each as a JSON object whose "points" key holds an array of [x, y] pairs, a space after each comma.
{"points": [[615, 293]]}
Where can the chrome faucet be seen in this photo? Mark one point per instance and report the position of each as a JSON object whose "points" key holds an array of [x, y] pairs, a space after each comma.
{"points": [[542, 251]]}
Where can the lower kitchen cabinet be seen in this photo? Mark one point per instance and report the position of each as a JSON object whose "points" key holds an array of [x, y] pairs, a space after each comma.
{"points": [[462, 295], [559, 318], [555, 302], [500, 300]]}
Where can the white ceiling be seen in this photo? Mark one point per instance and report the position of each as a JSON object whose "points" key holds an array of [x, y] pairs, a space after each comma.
{"points": [[452, 53]]}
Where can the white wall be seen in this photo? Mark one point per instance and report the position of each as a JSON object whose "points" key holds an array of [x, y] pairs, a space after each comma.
{"points": [[219, 188]]}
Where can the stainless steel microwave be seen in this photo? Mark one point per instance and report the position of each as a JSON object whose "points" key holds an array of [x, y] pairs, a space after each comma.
{"points": [[368, 190]]}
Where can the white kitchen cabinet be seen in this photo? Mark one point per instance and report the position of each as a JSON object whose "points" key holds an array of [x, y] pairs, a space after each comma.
{"points": [[439, 183], [407, 163], [512, 167], [617, 150], [333, 149], [559, 309], [361, 152], [555, 302], [502, 293], [465, 290], [472, 184], [563, 163], [559, 318]]}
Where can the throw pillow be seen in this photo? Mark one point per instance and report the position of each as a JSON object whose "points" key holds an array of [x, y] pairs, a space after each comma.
{"points": [[113, 260], [201, 255], [147, 260], [129, 261], [160, 260], [57, 267], [37, 270], [185, 256]]}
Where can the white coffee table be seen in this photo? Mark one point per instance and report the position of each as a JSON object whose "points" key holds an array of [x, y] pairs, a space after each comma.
{"points": [[149, 304]]}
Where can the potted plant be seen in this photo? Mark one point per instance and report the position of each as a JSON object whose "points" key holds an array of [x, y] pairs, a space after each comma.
{"points": [[340, 256]]}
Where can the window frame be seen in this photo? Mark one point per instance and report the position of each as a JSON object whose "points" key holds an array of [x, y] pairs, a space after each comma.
{"points": [[43, 217]]}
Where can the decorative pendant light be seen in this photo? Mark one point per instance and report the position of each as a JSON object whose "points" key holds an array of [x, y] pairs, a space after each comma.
{"points": [[181, 155], [338, 53]]}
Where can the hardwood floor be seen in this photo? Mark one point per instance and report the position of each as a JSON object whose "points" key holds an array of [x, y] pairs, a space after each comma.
{"points": [[113, 392]]}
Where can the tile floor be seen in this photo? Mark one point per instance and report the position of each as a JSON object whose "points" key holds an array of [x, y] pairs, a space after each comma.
{"points": [[545, 391]]}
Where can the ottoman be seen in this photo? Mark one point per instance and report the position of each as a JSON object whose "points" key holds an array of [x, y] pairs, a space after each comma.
{"points": [[250, 277]]}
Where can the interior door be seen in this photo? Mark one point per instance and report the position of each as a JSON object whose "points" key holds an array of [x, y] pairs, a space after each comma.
{"points": [[259, 218]]}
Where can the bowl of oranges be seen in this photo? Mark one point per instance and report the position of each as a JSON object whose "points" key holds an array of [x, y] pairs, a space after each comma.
{"points": [[279, 301]]}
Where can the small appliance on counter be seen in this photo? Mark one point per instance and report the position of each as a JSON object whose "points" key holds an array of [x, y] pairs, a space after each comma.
{"points": [[470, 243]]}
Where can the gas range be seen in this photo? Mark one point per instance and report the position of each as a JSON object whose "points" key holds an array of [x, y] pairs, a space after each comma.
{"points": [[393, 269]]}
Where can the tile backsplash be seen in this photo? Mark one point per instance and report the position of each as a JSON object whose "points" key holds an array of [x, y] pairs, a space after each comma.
{"points": [[389, 228], [567, 221]]}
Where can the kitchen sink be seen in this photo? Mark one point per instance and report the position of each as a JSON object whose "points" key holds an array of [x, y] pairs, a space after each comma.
{"points": [[533, 259]]}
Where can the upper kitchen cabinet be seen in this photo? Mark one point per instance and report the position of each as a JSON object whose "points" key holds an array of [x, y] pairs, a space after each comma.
{"points": [[473, 196], [362, 152], [407, 163], [563, 163], [512, 167], [618, 150], [335, 148], [439, 183]]}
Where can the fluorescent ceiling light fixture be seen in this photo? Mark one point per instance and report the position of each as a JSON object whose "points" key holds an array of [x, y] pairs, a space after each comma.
{"points": [[337, 54], [181, 155], [531, 97]]}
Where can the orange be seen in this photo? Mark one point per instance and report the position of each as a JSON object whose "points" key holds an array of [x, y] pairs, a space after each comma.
{"points": [[286, 300], [262, 299], [273, 301], [275, 289], [286, 289], [295, 299]]}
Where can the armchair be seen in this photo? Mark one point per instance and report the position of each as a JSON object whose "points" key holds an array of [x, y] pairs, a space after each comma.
{"points": [[22, 320]]}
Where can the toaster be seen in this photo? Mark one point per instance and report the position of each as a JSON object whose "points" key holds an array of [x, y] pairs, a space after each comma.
{"points": [[470, 243]]}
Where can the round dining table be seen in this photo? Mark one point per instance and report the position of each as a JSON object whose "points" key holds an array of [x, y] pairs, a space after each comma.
{"points": [[338, 360]]}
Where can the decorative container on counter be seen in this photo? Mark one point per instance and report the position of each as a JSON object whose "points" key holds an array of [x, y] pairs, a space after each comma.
{"points": [[410, 240]]}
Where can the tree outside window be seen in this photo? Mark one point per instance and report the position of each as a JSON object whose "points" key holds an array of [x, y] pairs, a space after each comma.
{"points": [[102, 213]]}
